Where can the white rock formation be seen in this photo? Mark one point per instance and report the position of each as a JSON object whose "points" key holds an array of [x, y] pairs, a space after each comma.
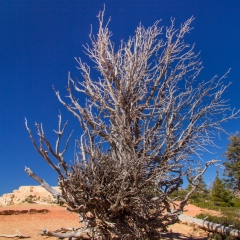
{"points": [[27, 194]]}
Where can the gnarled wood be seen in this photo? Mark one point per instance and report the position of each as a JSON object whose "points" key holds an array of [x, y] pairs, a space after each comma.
{"points": [[145, 119]]}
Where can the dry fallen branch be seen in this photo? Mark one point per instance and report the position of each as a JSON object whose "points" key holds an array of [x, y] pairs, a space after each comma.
{"points": [[74, 234], [210, 226], [145, 120], [14, 236]]}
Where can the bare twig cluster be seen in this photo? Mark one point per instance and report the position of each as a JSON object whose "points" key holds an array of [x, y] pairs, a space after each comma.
{"points": [[145, 118]]}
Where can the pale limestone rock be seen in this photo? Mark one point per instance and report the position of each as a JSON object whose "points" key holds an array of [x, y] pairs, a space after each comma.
{"points": [[27, 193]]}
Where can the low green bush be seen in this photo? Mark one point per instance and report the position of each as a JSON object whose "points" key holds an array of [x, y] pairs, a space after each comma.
{"points": [[203, 204], [29, 199], [179, 194], [218, 236], [236, 202]]}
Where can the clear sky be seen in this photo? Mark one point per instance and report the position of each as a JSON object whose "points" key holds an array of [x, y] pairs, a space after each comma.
{"points": [[38, 43]]}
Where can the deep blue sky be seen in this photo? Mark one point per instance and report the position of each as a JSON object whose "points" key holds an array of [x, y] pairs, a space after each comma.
{"points": [[38, 43]]}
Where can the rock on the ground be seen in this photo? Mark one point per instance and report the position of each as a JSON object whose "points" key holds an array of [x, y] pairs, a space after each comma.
{"points": [[27, 194]]}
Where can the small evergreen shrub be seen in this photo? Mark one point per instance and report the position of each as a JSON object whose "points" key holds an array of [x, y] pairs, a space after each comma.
{"points": [[29, 199], [219, 236], [236, 202]]}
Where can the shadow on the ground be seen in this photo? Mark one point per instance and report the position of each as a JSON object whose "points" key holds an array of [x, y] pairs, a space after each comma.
{"points": [[179, 236]]}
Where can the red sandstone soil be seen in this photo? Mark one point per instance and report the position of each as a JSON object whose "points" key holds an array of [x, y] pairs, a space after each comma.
{"points": [[32, 224]]}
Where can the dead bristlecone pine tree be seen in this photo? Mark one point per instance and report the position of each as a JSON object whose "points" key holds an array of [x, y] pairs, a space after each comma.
{"points": [[146, 116]]}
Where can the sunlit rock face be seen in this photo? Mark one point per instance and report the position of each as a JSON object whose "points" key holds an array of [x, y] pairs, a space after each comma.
{"points": [[31, 194]]}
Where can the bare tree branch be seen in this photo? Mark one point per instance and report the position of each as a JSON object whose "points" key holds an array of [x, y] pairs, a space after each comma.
{"points": [[55, 193]]}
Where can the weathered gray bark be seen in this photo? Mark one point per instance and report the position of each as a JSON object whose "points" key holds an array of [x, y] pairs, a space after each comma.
{"points": [[14, 236], [78, 235], [55, 193], [210, 226]]}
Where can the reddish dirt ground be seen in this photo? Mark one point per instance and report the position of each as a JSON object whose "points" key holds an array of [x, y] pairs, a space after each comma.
{"points": [[32, 224]]}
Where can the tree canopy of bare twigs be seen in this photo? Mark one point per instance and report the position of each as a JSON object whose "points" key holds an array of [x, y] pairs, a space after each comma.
{"points": [[146, 116]]}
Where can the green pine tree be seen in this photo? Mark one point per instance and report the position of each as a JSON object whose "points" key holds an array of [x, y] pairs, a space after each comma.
{"points": [[232, 164], [220, 195]]}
